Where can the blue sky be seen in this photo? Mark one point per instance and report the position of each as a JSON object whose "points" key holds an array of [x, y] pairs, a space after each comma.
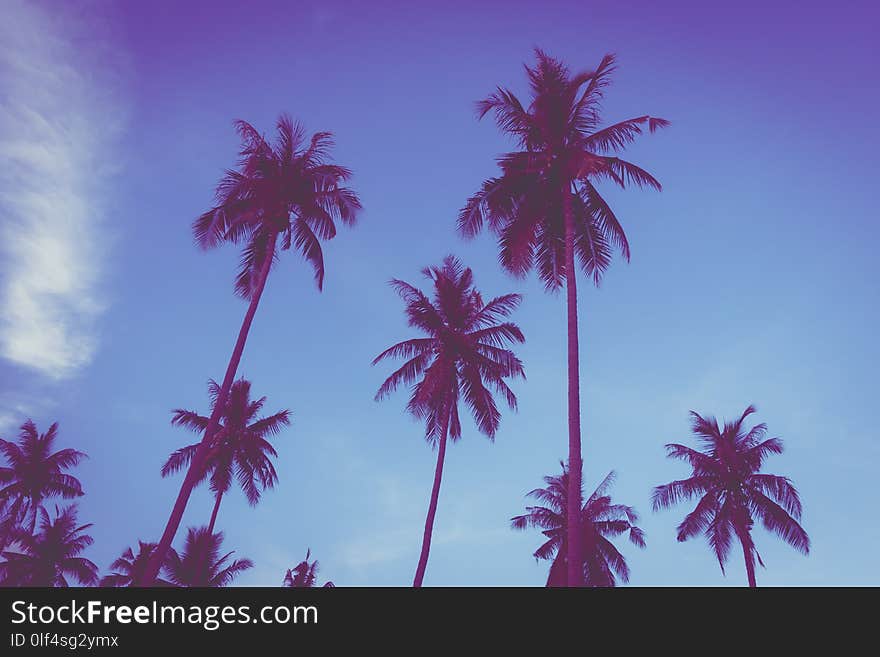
{"points": [[753, 276]]}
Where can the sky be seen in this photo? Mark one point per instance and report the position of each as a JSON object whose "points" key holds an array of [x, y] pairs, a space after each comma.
{"points": [[753, 278]]}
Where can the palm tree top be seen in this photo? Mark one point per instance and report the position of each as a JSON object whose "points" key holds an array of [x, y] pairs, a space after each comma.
{"points": [[564, 109], [37, 471], [33, 473], [732, 490], [49, 556], [563, 145], [128, 568], [601, 520], [289, 189], [463, 349], [240, 447], [304, 574], [200, 562]]}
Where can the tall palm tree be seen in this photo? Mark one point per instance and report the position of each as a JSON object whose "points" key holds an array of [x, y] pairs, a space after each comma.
{"points": [[732, 491], [287, 191], [239, 448], [51, 555], [601, 520], [128, 568], [200, 563], [546, 209], [304, 575], [462, 352], [34, 473]]}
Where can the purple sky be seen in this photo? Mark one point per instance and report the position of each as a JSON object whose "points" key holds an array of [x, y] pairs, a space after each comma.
{"points": [[753, 275]]}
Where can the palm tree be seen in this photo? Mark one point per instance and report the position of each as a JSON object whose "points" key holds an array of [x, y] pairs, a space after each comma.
{"points": [[128, 568], [288, 191], [601, 520], [732, 491], [462, 352], [304, 575], [34, 473], [50, 556], [200, 563], [239, 448], [545, 207]]}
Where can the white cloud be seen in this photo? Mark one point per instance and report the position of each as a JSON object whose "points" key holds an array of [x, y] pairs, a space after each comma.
{"points": [[59, 116]]}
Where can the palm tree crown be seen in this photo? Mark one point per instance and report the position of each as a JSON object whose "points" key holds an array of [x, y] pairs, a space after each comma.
{"points": [[304, 574], [601, 520], [239, 448], [200, 563], [34, 473], [50, 556], [732, 491], [462, 353], [288, 189], [129, 567], [564, 148]]}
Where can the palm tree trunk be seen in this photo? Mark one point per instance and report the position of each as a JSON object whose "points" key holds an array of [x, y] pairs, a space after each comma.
{"points": [[214, 513], [432, 507], [189, 482], [575, 464], [33, 508], [749, 556]]}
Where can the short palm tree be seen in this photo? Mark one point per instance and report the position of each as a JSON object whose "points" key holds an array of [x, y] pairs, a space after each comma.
{"points": [[462, 355], [200, 563], [545, 206], [240, 447], [283, 195], [304, 575], [33, 474], [128, 568], [51, 555], [732, 491], [601, 520]]}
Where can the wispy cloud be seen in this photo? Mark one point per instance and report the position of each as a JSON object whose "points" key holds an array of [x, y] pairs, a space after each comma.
{"points": [[15, 408], [59, 117]]}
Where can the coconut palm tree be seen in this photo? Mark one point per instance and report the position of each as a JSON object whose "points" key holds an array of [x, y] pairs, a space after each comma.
{"points": [[546, 209], [283, 195], [51, 555], [732, 491], [130, 566], [200, 563], [601, 520], [462, 355], [239, 448], [304, 575], [33, 474]]}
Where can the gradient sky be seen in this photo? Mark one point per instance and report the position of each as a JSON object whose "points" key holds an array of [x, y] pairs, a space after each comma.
{"points": [[753, 275]]}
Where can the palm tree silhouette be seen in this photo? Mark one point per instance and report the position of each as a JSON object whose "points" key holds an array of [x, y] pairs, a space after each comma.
{"points": [[50, 556], [732, 490], [304, 575], [128, 568], [239, 448], [547, 211], [601, 520], [287, 191], [200, 563], [34, 473], [462, 353]]}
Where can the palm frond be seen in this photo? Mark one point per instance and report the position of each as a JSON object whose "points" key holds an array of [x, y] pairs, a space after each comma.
{"points": [[626, 173], [778, 521]]}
